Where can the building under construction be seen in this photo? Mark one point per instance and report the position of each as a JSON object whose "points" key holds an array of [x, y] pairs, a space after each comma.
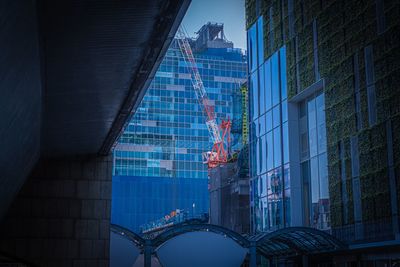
{"points": [[158, 164], [210, 35], [229, 182], [229, 194]]}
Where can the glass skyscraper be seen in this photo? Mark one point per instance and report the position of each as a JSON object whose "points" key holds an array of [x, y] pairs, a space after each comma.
{"points": [[158, 164]]}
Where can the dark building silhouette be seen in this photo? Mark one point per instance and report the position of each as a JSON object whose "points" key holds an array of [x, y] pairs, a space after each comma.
{"points": [[70, 74]]}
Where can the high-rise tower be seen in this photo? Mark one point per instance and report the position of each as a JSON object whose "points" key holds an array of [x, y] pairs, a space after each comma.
{"points": [[158, 160]]}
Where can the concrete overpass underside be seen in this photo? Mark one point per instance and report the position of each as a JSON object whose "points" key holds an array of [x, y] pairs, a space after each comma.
{"points": [[71, 72]]}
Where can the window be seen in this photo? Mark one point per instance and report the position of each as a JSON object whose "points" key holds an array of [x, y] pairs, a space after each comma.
{"points": [[252, 46], [284, 111], [270, 153], [277, 147], [276, 114], [306, 199], [266, 121], [285, 142], [263, 148], [268, 85], [262, 91], [312, 128], [275, 79], [314, 167], [255, 94]]}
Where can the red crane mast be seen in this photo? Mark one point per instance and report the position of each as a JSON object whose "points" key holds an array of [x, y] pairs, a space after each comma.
{"points": [[218, 154]]}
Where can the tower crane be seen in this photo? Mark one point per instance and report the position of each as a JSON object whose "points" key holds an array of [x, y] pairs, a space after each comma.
{"points": [[218, 153]]}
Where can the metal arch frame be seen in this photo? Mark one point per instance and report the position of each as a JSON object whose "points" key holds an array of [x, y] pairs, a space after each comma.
{"points": [[324, 240], [186, 228], [131, 236], [289, 241]]}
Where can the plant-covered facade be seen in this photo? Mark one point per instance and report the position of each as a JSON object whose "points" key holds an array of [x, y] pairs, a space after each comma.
{"points": [[345, 56]]}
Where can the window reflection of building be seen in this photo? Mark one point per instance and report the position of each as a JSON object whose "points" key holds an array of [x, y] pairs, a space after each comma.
{"points": [[269, 142], [312, 130]]}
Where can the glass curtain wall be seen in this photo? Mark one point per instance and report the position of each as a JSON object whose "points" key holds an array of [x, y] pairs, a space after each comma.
{"points": [[269, 148], [160, 150], [314, 162]]}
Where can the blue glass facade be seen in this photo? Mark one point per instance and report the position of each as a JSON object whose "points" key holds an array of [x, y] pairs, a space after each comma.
{"points": [[139, 200], [289, 184], [269, 142], [167, 134]]}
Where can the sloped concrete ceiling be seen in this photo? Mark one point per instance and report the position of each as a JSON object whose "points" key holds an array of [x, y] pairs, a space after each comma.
{"points": [[98, 59], [20, 96], [71, 71]]}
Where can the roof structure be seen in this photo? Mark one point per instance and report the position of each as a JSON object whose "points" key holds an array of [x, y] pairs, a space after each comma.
{"points": [[196, 227], [294, 241], [287, 242], [131, 236]]}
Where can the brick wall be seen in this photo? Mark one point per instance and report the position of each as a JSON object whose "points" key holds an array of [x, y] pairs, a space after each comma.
{"points": [[61, 217]]}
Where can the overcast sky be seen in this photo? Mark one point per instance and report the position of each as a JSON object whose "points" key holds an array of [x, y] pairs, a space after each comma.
{"points": [[229, 12]]}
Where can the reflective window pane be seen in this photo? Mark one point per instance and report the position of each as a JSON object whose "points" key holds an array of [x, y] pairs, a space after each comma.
{"points": [[323, 176], [253, 159], [286, 176], [314, 192], [275, 79], [265, 215], [257, 127], [312, 130], [252, 47], [263, 160], [277, 147], [285, 143], [258, 156], [287, 207], [262, 124], [255, 94], [305, 177], [276, 113], [270, 153], [262, 90], [321, 128], [267, 84], [264, 184], [268, 120], [285, 111]]}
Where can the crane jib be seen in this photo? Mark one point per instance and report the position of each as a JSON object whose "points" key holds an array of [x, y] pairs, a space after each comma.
{"points": [[218, 154]]}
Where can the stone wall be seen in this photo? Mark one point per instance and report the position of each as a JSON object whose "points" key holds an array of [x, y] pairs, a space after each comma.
{"points": [[61, 217]]}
